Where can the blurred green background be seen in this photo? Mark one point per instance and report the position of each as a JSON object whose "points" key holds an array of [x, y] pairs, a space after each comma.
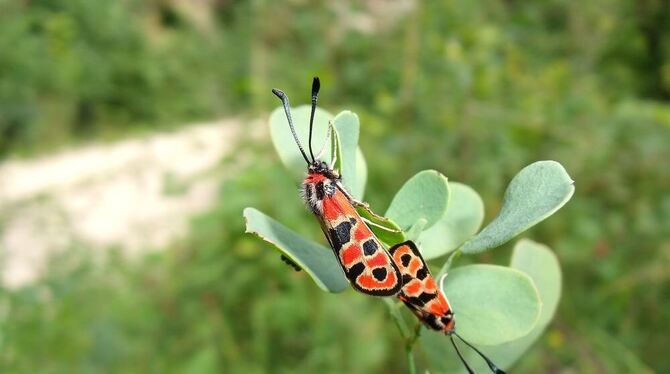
{"points": [[475, 89]]}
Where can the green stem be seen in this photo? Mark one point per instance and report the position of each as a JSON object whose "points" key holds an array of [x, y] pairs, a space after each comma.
{"points": [[397, 318], [409, 337], [409, 345], [410, 359], [447, 264]]}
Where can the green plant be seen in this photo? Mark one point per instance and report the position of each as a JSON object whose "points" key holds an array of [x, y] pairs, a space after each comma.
{"points": [[503, 308]]}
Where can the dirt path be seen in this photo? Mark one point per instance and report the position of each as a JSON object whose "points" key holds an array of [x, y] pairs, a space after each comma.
{"points": [[135, 194]]}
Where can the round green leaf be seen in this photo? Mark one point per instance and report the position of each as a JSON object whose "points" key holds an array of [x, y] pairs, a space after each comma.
{"points": [[463, 218], [348, 127], [350, 164], [425, 195], [540, 263], [492, 304], [283, 139], [315, 259], [534, 194], [361, 174]]}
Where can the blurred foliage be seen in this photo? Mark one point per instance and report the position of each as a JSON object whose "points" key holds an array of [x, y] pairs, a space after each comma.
{"points": [[474, 89]]}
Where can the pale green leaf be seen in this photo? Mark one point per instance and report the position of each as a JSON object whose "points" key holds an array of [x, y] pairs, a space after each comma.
{"points": [[535, 193], [540, 263], [463, 218], [316, 260], [352, 163], [348, 127], [361, 174], [425, 195], [285, 145], [492, 304]]}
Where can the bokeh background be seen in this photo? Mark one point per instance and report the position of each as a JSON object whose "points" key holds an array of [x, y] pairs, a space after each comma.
{"points": [[133, 133]]}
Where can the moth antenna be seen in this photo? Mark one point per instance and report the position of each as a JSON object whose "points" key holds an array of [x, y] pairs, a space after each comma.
{"points": [[458, 352], [284, 99], [316, 85], [491, 365]]}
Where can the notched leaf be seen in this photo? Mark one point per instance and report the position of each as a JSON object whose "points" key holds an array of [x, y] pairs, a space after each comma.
{"points": [[317, 260], [534, 194]]}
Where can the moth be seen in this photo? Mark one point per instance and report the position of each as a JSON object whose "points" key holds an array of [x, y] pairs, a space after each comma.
{"points": [[422, 296], [363, 258]]}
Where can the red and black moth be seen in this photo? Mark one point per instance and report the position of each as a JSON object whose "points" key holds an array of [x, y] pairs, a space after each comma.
{"points": [[423, 297], [368, 266], [363, 258]]}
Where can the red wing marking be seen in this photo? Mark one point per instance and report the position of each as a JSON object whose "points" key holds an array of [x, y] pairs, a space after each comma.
{"points": [[419, 291], [380, 259], [351, 254], [331, 210], [365, 261], [361, 233], [412, 287]]}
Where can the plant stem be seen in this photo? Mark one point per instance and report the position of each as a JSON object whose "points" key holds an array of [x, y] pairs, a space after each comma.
{"points": [[447, 264], [397, 318], [408, 336], [410, 359]]}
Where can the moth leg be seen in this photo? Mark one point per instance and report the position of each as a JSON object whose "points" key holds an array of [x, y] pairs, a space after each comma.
{"points": [[365, 207], [359, 204]]}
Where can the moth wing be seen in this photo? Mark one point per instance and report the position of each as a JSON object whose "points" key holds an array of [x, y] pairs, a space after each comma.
{"points": [[419, 291], [365, 262]]}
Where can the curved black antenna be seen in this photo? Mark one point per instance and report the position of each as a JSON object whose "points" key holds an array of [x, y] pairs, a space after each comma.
{"points": [[465, 363], [284, 99], [316, 85], [491, 365]]}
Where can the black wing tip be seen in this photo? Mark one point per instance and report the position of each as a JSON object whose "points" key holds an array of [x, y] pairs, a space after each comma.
{"points": [[408, 243]]}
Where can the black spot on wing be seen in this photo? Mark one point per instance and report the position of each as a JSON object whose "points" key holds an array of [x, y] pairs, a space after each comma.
{"points": [[405, 259], [379, 274], [411, 306], [356, 270], [406, 278], [340, 235], [432, 321], [426, 297], [422, 299], [422, 273], [445, 319], [370, 247]]}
